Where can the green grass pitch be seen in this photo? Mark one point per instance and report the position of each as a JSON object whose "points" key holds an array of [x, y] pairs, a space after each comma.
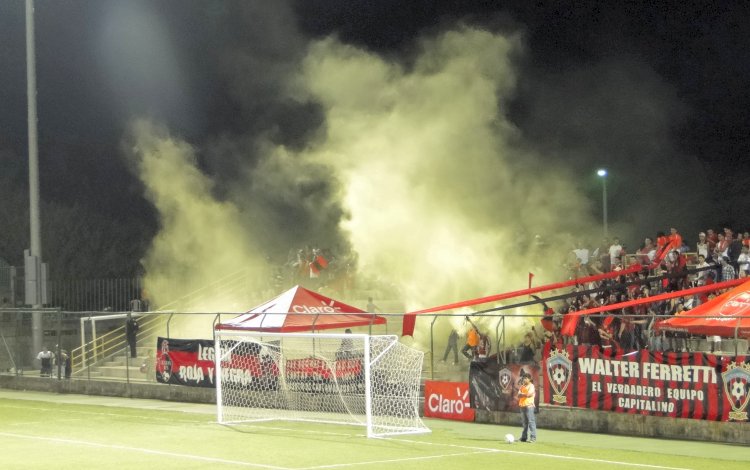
{"points": [[50, 431]]}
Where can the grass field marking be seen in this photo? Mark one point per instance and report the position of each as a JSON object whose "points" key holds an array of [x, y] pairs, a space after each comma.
{"points": [[405, 459], [105, 415], [201, 458], [553, 456]]}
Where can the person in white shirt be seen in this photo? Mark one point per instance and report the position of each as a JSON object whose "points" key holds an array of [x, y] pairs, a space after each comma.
{"points": [[702, 246], [743, 261], [615, 250]]}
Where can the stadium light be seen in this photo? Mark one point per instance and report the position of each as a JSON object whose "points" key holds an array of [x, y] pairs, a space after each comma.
{"points": [[603, 175]]}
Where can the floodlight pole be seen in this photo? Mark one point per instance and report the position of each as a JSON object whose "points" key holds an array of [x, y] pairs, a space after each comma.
{"points": [[34, 222], [603, 174]]}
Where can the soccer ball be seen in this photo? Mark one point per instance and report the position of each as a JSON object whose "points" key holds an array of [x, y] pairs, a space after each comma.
{"points": [[509, 438]]}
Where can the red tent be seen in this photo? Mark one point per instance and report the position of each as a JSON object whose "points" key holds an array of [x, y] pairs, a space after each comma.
{"points": [[721, 316], [298, 310]]}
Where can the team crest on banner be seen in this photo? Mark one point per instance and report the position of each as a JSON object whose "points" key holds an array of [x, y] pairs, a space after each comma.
{"points": [[559, 371], [506, 381], [737, 389]]}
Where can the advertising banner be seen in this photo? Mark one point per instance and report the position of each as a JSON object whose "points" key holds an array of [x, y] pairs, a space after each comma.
{"points": [[493, 386], [185, 362], [447, 400], [676, 385]]}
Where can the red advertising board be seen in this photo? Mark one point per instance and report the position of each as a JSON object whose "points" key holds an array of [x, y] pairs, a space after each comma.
{"points": [[676, 385], [447, 400]]}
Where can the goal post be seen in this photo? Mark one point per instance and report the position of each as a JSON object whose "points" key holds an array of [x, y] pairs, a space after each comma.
{"points": [[357, 379]]}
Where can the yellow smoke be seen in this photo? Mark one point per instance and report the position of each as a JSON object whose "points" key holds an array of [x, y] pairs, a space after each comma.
{"points": [[442, 198]]}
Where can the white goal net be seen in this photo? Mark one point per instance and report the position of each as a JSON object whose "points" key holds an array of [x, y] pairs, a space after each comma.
{"points": [[372, 381]]}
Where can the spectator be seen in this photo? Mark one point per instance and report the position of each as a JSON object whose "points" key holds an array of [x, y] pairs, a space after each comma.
{"points": [[674, 239], [711, 240], [746, 239], [602, 254], [703, 268], [131, 332], [722, 246], [582, 253], [615, 250], [528, 348], [371, 307], [67, 364], [317, 265], [727, 270], [45, 356], [346, 349], [702, 246], [484, 347], [646, 252], [452, 346], [735, 249], [472, 341], [743, 260]]}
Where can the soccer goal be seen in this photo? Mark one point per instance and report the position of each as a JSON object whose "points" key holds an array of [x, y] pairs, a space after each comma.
{"points": [[358, 379]]}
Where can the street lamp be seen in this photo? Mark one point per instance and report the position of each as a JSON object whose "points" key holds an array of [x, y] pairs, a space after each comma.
{"points": [[603, 174]]}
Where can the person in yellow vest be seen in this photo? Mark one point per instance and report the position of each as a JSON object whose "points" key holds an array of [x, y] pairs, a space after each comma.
{"points": [[472, 341], [526, 403]]}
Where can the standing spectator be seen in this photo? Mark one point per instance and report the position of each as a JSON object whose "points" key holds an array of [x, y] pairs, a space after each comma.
{"points": [[452, 346], [526, 396], [135, 305], [602, 254], [722, 246], [702, 246], [371, 307], [675, 239], [528, 348], [711, 240], [735, 249], [743, 260], [582, 253], [45, 357], [746, 239], [66, 362], [727, 270], [131, 332], [615, 250], [646, 252], [472, 341], [317, 265]]}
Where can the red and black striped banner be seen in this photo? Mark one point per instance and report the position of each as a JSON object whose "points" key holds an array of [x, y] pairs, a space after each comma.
{"points": [[677, 385]]}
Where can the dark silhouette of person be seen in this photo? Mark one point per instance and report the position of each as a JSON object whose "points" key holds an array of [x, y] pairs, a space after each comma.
{"points": [[131, 332]]}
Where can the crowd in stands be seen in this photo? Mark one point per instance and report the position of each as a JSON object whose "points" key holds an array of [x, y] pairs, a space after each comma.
{"points": [[319, 269], [668, 264]]}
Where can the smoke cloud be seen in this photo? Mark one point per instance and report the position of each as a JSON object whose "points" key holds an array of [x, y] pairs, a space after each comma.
{"points": [[412, 163]]}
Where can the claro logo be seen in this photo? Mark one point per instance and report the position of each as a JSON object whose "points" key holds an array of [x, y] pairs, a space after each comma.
{"points": [[449, 400], [440, 403]]}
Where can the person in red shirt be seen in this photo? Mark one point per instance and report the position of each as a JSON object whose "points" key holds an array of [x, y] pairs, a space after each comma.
{"points": [[711, 239], [675, 239]]}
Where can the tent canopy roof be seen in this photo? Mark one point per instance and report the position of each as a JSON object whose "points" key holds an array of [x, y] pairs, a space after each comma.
{"points": [[728, 312], [300, 310]]}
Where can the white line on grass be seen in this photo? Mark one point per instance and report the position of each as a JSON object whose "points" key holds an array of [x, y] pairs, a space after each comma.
{"points": [[407, 459], [141, 450], [537, 454]]}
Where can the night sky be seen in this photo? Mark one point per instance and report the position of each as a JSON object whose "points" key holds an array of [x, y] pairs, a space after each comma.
{"points": [[656, 93]]}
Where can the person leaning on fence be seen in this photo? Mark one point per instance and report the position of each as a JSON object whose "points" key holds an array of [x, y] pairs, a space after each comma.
{"points": [[472, 341]]}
